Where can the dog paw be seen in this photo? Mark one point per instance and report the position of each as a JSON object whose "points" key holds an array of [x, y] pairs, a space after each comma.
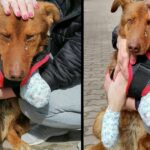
{"points": [[22, 146]]}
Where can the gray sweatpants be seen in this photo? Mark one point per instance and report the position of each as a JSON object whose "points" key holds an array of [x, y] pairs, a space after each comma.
{"points": [[63, 110]]}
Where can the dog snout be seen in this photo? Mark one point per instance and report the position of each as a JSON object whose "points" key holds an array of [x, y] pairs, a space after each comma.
{"points": [[134, 47], [16, 73]]}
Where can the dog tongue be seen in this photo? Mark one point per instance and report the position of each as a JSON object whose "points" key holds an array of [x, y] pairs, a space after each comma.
{"points": [[132, 59]]}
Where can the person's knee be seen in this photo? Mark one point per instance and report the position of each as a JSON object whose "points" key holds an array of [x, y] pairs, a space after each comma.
{"points": [[63, 110], [32, 113], [69, 120], [68, 100]]}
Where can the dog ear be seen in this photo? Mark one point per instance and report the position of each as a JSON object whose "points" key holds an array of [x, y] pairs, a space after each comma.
{"points": [[52, 13], [118, 3]]}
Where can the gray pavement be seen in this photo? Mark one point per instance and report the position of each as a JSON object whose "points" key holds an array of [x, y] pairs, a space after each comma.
{"points": [[98, 26]]}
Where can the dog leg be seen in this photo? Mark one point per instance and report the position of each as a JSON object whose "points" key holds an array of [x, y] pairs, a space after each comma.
{"points": [[98, 146], [15, 141], [22, 125], [21, 129]]}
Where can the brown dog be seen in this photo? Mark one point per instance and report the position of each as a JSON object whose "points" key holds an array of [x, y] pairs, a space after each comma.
{"points": [[134, 26], [20, 41]]}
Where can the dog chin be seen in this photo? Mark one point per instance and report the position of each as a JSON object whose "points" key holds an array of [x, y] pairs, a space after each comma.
{"points": [[13, 79], [138, 53]]}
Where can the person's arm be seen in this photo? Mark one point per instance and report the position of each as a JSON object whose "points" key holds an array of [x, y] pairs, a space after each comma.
{"points": [[65, 69], [110, 121], [123, 57]]}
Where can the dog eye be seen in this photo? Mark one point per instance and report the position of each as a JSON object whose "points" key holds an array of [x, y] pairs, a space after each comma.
{"points": [[29, 37], [148, 22], [130, 21], [6, 37]]}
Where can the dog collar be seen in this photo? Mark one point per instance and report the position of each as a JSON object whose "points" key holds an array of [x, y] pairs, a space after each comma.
{"points": [[139, 77]]}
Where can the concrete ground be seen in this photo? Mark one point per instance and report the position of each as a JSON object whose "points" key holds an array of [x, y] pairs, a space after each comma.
{"points": [[98, 26]]}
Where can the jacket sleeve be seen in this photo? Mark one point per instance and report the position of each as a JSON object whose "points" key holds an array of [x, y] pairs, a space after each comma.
{"points": [[65, 69], [114, 37]]}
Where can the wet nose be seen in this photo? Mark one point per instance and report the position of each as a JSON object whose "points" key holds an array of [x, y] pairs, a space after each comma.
{"points": [[134, 47], [16, 73]]}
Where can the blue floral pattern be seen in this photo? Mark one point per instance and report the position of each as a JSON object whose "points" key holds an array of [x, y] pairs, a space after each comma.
{"points": [[110, 128], [144, 109], [36, 91]]}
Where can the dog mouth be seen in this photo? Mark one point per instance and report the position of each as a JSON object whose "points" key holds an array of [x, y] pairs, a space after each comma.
{"points": [[141, 51], [13, 78], [137, 53]]}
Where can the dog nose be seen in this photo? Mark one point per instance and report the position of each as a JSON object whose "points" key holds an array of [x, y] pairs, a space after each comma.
{"points": [[134, 47], [16, 75]]}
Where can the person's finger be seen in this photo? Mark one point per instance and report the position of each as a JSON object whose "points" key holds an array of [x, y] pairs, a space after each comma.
{"points": [[123, 61], [23, 9], [117, 70], [107, 82], [132, 59], [123, 56], [5, 5], [121, 43], [15, 8], [120, 79], [30, 8], [124, 69], [107, 78]]}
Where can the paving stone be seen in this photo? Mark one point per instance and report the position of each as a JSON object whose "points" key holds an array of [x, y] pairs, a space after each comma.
{"points": [[90, 139], [88, 131], [92, 115], [99, 23], [89, 121]]}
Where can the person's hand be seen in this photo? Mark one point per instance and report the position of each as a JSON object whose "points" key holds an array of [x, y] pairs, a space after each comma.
{"points": [[129, 102], [148, 5], [116, 91], [21, 8], [123, 58]]}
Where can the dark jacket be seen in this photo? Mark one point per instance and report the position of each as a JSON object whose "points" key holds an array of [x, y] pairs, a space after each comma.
{"points": [[65, 45], [114, 37]]}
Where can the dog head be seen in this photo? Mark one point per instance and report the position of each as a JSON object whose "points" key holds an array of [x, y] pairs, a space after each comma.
{"points": [[21, 40], [134, 25]]}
